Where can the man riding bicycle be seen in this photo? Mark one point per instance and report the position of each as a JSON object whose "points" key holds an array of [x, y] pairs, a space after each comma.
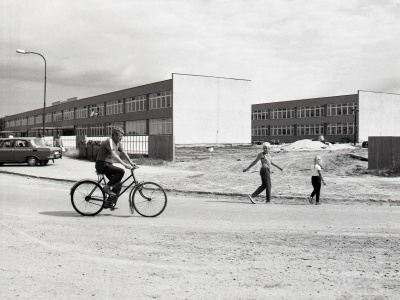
{"points": [[108, 154]]}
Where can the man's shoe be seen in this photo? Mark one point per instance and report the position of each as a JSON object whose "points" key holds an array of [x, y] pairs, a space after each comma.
{"points": [[268, 201], [107, 190], [107, 203], [251, 199], [310, 199]]}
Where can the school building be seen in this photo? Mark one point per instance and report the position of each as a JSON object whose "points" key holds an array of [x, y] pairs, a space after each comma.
{"points": [[346, 118], [193, 109]]}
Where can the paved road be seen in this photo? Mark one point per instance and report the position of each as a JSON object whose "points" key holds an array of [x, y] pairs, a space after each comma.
{"points": [[199, 248]]}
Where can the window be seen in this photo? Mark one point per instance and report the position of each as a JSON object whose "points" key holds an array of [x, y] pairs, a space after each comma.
{"points": [[160, 126], [137, 103], [282, 130], [7, 144], [97, 130], [282, 113], [24, 122], [81, 112], [81, 130], [310, 111], [111, 126], [259, 115], [31, 120], [259, 130], [57, 116], [310, 129], [68, 114], [115, 107], [21, 143], [38, 119], [49, 118], [11, 123], [341, 109], [136, 127], [18, 122], [96, 110], [160, 100], [340, 128]]}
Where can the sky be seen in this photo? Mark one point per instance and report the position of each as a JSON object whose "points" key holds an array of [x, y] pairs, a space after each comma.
{"points": [[288, 49]]}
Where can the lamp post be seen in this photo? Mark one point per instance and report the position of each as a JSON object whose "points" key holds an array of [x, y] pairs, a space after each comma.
{"points": [[44, 104], [355, 110]]}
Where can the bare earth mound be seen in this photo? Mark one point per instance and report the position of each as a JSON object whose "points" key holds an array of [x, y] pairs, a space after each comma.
{"points": [[219, 170]]}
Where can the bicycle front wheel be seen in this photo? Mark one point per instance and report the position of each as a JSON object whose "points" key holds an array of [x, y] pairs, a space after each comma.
{"points": [[87, 198], [149, 199]]}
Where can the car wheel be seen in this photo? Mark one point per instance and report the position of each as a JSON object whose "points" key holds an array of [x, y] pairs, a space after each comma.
{"points": [[44, 162], [32, 161]]}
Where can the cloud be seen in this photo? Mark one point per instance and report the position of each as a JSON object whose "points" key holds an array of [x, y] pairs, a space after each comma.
{"points": [[289, 49]]}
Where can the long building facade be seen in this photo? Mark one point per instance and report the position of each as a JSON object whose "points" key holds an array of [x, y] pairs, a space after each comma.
{"points": [[346, 118], [131, 109], [289, 121], [192, 108]]}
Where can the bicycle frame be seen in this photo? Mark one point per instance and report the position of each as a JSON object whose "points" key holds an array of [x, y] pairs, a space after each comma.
{"points": [[102, 179]]}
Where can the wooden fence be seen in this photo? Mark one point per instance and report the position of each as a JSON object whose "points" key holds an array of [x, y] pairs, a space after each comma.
{"points": [[162, 146], [383, 152]]}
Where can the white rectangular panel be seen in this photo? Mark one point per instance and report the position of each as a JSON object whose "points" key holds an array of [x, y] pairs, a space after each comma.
{"points": [[211, 110], [379, 114]]}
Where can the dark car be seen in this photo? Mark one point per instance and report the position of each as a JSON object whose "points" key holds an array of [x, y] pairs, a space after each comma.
{"points": [[32, 151]]}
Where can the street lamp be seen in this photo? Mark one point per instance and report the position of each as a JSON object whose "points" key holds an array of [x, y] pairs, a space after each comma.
{"points": [[355, 110], [44, 104]]}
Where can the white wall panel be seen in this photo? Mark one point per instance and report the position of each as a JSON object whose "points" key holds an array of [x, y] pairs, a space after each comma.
{"points": [[379, 114], [211, 110]]}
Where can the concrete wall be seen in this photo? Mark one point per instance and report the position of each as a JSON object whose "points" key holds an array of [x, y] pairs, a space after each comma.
{"points": [[211, 110], [379, 114]]}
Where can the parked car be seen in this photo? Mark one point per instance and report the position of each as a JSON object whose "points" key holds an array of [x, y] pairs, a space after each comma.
{"points": [[364, 144], [32, 151]]}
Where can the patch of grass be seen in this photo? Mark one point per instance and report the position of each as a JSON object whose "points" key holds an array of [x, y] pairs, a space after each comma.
{"points": [[144, 161], [395, 171]]}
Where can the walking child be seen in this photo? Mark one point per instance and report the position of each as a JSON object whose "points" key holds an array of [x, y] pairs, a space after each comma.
{"points": [[265, 173], [316, 178]]}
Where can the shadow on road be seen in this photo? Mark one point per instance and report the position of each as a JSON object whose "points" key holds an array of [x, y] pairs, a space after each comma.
{"points": [[227, 201], [72, 214], [262, 203]]}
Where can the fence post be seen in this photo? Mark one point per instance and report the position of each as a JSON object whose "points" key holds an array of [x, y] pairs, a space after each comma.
{"points": [[81, 146]]}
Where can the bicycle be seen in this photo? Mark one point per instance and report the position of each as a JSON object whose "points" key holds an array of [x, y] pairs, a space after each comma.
{"points": [[148, 198]]}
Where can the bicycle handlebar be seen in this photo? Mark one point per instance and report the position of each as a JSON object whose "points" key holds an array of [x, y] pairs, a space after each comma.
{"points": [[133, 167]]}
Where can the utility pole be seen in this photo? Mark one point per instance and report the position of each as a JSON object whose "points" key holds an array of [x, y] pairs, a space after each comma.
{"points": [[355, 110]]}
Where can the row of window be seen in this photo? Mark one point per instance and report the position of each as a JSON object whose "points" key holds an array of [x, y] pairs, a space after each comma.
{"points": [[341, 109], [307, 129], [156, 126], [133, 104]]}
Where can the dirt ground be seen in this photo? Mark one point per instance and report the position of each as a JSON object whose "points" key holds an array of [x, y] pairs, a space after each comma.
{"points": [[220, 171]]}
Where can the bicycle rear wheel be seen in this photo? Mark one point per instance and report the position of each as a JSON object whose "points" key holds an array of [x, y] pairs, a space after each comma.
{"points": [[87, 198], [149, 199]]}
